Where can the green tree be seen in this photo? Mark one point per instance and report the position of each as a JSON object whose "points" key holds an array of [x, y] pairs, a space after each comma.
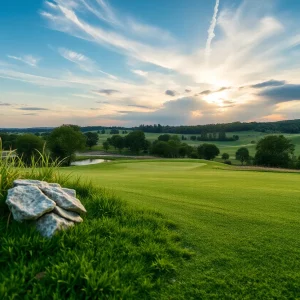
{"points": [[28, 146], [274, 151], [117, 141], [242, 155], [164, 137], [114, 131], [208, 151], [135, 141], [225, 156], [105, 145], [160, 148], [103, 131], [92, 139], [64, 141]]}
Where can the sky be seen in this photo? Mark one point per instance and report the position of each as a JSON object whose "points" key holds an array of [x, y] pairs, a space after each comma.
{"points": [[132, 62]]}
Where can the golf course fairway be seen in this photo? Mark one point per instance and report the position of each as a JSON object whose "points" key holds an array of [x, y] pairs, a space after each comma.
{"points": [[243, 226]]}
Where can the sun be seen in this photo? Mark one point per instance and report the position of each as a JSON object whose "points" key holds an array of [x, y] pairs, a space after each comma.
{"points": [[216, 98]]}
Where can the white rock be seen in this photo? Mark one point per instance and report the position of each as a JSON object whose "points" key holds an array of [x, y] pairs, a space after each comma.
{"points": [[50, 224], [30, 182], [64, 200], [54, 185], [70, 192], [28, 203], [69, 215]]}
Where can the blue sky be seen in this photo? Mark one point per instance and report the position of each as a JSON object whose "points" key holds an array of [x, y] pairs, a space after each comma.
{"points": [[116, 62]]}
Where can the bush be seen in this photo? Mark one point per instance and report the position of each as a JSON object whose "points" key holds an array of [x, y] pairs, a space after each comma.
{"points": [[227, 162]]}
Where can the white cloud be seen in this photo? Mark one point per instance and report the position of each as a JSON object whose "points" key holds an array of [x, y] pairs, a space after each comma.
{"points": [[140, 73], [211, 30], [27, 59]]}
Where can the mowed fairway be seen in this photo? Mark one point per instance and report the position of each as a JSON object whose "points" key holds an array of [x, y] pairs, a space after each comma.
{"points": [[244, 226]]}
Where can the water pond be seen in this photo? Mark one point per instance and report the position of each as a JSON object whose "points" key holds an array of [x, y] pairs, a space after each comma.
{"points": [[87, 162]]}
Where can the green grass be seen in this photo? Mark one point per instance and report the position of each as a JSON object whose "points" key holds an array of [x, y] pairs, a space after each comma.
{"points": [[118, 252], [242, 225]]}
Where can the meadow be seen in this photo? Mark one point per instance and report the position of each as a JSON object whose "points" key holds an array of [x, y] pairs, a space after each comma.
{"points": [[243, 226], [246, 137]]}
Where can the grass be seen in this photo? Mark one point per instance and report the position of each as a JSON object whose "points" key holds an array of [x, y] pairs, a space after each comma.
{"points": [[242, 225], [118, 252]]}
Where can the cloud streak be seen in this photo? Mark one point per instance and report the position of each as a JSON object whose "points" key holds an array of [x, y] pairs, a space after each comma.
{"points": [[27, 59], [211, 31]]}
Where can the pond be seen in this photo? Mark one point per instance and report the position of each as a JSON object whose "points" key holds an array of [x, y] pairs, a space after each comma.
{"points": [[87, 162]]}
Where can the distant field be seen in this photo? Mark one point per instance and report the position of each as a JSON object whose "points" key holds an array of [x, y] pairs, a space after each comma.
{"points": [[243, 225], [246, 137]]}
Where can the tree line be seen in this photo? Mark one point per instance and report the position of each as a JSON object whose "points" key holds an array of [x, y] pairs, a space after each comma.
{"points": [[288, 126], [64, 141]]}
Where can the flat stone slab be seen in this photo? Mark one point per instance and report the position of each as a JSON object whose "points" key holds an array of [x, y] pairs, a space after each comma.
{"points": [[50, 224], [69, 215], [28, 202], [63, 200]]}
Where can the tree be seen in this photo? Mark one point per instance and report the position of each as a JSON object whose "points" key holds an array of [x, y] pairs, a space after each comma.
{"points": [[274, 151], [92, 139], [64, 141], [225, 156], [161, 148], [114, 131], [208, 151], [28, 146], [103, 131], [135, 141], [164, 137], [105, 145], [117, 141], [242, 155]]}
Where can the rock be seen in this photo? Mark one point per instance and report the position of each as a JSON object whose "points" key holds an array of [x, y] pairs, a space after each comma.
{"points": [[70, 192], [63, 200], [28, 202], [69, 215], [30, 182], [50, 224], [54, 185], [37, 183]]}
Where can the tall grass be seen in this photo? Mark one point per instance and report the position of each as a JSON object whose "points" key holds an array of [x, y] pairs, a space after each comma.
{"points": [[41, 167]]}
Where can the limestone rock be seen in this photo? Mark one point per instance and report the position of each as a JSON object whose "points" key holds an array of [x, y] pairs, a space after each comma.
{"points": [[70, 192], [54, 185], [69, 215], [28, 203], [30, 182], [50, 224], [37, 183], [64, 200]]}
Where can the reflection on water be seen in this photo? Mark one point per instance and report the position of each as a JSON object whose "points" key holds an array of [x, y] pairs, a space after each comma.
{"points": [[87, 162]]}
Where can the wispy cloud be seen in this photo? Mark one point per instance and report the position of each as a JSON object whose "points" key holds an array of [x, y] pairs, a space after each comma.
{"points": [[32, 108], [27, 59], [107, 92], [171, 93], [79, 59], [268, 84], [211, 31]]}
